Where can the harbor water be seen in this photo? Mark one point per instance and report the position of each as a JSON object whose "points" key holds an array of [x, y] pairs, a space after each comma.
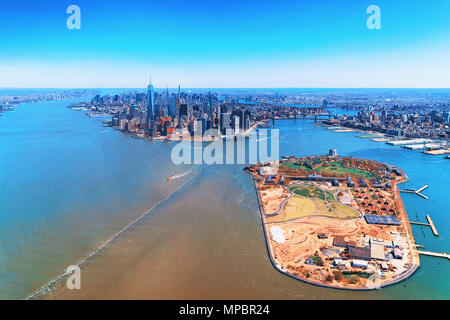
{"points": [[69, 186]]}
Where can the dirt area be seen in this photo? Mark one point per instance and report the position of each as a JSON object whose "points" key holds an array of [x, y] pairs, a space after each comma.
{"points": [[346, 197], [301, 236], [272, 197], [301, 242]]}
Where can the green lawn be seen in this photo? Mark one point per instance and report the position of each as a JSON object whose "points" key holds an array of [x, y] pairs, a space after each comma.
{"points": [[313, 192], [334, 168]]}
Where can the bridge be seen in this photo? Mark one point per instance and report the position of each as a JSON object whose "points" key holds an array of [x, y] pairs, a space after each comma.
{"points": [[305, 116], [323, 116]]}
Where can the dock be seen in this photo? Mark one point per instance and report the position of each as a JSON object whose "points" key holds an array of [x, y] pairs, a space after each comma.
{"points": [[418, 191], [423, 188], [433, 228], [437, 152], [434, 254], [429, 224], [408, 142], [420, 223]]}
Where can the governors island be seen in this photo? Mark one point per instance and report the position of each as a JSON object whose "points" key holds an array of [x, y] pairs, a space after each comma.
{"points": [[337, 222]]}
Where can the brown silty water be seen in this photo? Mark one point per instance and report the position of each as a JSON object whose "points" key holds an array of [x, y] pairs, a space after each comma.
{"points": [[204, 242]]}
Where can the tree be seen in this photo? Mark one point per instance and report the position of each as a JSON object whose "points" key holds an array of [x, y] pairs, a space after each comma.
{"points": [[337, 275]]}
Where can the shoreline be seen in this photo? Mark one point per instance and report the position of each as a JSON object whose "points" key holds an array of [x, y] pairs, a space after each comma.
{"points": [[179, 138], [382, 137]]}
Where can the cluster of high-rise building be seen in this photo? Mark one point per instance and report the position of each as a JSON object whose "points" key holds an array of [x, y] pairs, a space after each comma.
{"points": [[432, 124], [164, 113]]}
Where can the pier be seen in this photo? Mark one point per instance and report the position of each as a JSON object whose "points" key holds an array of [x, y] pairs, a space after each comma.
{"points": [[434, 254], [418, 191], [429, 224], [423, 188], [420, 223], [433, 228]]}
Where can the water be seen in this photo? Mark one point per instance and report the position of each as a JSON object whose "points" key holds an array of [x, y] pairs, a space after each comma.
{"points": [[67, 185]]}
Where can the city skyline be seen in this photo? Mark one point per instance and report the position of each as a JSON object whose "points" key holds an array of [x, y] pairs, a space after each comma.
{"points": [[294, 44]]}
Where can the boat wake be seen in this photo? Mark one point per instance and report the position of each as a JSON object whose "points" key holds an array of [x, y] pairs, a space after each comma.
{"points": [[53, 284], [177, 176]]}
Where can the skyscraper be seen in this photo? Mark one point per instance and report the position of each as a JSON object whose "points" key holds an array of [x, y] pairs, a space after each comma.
{"points": [[242, 119], [446, 116], [245, 119], [150, 102], [183, 110], [204, 123], [224, 122], [178, 103], [173, 106], [235, 124], [157, 107], [246, 122]]}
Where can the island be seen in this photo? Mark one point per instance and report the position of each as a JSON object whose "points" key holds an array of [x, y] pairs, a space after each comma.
{"points": [[334, 221]]}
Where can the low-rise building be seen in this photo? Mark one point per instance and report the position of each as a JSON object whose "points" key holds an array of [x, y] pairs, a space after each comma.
{"points": [[360, 264], [398, 254], [360, 252], [377, 251]]}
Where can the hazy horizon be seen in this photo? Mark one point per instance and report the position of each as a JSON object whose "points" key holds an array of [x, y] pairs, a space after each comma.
{"points": [[229, 88]]}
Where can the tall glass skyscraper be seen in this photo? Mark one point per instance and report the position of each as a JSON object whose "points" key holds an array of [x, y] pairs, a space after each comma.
{"points": [[150, 102]]}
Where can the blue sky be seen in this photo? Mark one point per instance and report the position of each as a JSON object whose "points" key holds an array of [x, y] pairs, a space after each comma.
{"points": [[225, 44]]}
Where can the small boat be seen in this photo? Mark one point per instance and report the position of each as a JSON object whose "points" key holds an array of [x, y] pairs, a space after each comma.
{"points": [[169, 179]]}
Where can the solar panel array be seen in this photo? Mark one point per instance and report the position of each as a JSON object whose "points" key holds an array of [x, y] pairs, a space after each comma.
{"points": [[385, 220]]}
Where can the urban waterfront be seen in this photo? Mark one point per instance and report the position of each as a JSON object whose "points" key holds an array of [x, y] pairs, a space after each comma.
{"points": [[69, 184]]}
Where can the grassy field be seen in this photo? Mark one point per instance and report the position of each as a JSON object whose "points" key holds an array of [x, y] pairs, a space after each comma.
{"points": [[296, 207], [336, 210], [312, 200], [312, 192], [334, 168]]}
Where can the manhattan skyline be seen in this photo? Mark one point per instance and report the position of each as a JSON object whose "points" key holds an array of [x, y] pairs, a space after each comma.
{"points": [[231, 44]]}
